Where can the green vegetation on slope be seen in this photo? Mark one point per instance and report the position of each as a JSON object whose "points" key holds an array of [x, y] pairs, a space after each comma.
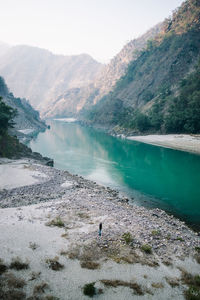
{"points": [[183, 113], [7, 114], [155, 93], [7, 143]]}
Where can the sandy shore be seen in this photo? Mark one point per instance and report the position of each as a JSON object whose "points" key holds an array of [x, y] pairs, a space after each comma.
{"points": [[183, 142], [51, 225]]}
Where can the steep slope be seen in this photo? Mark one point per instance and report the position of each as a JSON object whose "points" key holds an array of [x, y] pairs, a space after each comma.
{"points": [[142, 98], [118, 65], [73, 100], [41, 76], [16, 114], [27, 117]]}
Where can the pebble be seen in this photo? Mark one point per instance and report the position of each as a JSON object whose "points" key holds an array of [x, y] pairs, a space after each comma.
{"points": [[107, 204]]}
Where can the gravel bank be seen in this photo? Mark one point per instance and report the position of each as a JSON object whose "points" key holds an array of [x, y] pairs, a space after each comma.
{"points": [[183, 142], [63, 223]]}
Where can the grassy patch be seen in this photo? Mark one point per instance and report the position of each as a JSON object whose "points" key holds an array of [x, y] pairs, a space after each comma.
{"points": [[190, 279], [146, 248], [132, 285], [42, 297], [89, 289], [14, 282], [157, 285], [12, 295], [179, 238], [64, 235], [193, 293], [167, 262], [193, 283], [197, 257], [3, 267], [40, 288], [33, 246], [56, 222], [127, 237], [18, 264], [74, 253], [54, 264], [83, 215], [120, 253], [34, 276], [197, 249], [173, 281], [10, 287], [91, 265], [64, 252], [155, 232], [168, 237], [50, 297]]}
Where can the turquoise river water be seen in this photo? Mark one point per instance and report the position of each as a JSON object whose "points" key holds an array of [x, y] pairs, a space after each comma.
{"points": [[153, 176]]}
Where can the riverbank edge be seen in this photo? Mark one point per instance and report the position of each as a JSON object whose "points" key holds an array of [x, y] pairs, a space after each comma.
{"points": [[187, 143], [163, 141], [69, 196]]}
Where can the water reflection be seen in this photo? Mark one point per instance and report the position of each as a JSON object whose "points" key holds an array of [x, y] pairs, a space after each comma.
{"points": [[170, 178]]}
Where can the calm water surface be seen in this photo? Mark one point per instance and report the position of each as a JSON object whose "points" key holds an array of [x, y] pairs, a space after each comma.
{"points": [[153, 176]]}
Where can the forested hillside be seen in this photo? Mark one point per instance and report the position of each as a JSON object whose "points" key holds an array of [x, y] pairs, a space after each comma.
{"points": [[26, 117], [160, 90], [16, 114]]}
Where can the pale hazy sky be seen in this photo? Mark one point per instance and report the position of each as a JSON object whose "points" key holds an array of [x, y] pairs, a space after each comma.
{"points": [[97, 27]]}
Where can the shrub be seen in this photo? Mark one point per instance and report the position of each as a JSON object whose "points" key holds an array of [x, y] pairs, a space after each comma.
{"points": [[3, 267], [56, 222], [18, 264], [89, 289], [155, 232], [40, 288], [193, 293], [127, 237], [91, 265], [132, 285], [54, 264], [146, 248], [14, 282]]}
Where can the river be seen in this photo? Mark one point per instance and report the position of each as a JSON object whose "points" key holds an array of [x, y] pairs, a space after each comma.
{"points": [[153, 176]]}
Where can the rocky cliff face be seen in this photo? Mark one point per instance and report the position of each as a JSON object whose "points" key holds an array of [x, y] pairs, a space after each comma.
{"points": [[41, 76]]}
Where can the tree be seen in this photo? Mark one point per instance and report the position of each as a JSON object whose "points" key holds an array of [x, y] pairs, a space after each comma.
{"points": [[7, 114]]}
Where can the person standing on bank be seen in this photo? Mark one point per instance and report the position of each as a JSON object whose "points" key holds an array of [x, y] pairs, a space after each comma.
{"points": [[100, 229]]}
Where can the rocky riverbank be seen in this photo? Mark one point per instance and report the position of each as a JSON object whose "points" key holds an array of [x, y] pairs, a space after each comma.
{"points": [[52, 225]]}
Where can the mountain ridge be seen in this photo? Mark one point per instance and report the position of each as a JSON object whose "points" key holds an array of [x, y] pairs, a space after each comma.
{"points": [[39, 75], [70, 104], [142, 99]]}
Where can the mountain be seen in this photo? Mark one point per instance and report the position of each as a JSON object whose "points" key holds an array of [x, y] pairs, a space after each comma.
{"points": [[63, 85], [145, 98], [27, 118], [76, 99], [41, 76]]}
